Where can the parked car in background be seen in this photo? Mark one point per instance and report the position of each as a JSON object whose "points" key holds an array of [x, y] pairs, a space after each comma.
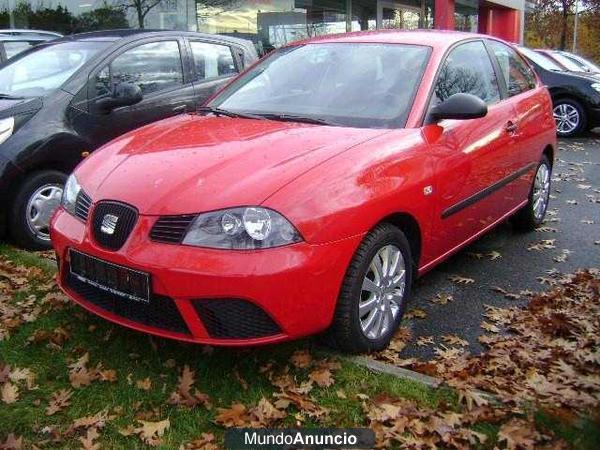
{"points": [[566, 63], [14, 41], [65, 98], [585, 64], [318, 185], [575, 95]]}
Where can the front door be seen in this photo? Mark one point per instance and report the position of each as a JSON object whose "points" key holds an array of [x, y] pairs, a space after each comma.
{"points": [[391, 15], [159, 68], [473, 158]]}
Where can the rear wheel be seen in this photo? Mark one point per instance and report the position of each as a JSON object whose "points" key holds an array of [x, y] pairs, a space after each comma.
{"points": [[373, 296], [532, 214], [570, 117], [33, 206]]}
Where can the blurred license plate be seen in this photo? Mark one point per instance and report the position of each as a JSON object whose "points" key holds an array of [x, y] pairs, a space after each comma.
{"points": [[118, 280]]}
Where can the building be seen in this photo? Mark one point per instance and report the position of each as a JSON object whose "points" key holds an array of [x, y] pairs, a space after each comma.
{"points": [[272, 23]]}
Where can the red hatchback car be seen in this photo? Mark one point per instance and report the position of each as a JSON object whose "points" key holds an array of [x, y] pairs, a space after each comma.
{"points": [[310, 192]]}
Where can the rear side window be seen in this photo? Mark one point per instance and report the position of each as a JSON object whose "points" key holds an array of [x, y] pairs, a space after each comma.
{"points": [[154, 67], [212, 60], [516, 73], [467, 70]]}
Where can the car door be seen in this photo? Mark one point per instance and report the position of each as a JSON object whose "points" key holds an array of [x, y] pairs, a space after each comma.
{"points": [[213, 65], [474, 157], [160, 68], [532, 114]]}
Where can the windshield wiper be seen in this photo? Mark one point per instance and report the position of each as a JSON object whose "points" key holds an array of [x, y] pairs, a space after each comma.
{"points": [[227, 113], [294, 118]]}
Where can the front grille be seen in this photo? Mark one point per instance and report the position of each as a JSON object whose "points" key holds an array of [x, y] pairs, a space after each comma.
{"points": [[82, 205], [234, 319], [171, 229], [161, 312], [112, 222]]}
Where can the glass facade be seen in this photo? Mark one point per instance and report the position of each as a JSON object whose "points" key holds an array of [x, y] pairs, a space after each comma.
{"points": [[268, 23]]}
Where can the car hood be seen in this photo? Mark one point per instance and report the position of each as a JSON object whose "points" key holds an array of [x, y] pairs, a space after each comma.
{"points": [[192, 164], [13, 107]]}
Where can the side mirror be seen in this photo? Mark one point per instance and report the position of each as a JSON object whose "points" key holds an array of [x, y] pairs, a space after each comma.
{"points": [[458, 106], [124, 94]]}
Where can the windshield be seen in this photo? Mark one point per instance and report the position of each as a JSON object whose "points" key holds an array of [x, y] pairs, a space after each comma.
{"points": [[584, 62], [45, 69], [346, 84], [569, 64], [543, 61]]}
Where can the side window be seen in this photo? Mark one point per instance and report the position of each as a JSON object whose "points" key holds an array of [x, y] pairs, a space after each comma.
{"points": [[212, 60], [468, 70], [153, 67], [517, 74]]}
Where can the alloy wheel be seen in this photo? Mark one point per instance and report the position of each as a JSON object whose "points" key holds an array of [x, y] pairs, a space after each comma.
{"points": [[567, 118], [382, 292], [541, 191], [40, 207]]}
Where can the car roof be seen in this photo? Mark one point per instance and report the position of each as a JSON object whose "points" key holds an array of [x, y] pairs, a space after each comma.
{"points": [[26, 31], [431, 38], [26, 37], [114, 35]]}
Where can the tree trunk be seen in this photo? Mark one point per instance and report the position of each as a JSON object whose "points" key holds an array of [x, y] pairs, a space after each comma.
{"points": [[564, 26], [140, 15]]}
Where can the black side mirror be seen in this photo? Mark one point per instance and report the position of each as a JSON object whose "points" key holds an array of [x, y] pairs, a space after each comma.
{"points": [[124, 94], [458, 106]]}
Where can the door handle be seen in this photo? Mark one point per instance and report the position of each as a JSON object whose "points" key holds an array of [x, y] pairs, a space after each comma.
{"points": [[511, 127], [179, 108]]}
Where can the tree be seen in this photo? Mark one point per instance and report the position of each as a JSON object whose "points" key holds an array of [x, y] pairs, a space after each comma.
{"points": [[106, 17], [141, 8]]}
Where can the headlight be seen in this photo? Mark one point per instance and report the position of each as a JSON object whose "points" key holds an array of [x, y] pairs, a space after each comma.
{"points": [[241, 229], [596, 87], [6, 128], [70, 192]]}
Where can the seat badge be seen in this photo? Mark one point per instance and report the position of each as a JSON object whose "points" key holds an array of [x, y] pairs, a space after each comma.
{"points": [[427, 190], [109, 224]]}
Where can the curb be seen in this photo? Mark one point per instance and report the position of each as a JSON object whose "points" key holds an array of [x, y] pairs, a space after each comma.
{"points": [[400, 372]]}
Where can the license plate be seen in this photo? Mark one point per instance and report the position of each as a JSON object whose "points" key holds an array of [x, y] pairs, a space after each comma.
{"points": [[118, 280]]}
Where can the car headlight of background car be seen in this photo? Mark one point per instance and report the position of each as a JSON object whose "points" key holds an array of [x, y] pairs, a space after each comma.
{"points": [[244, 228], [596, 87], [7, 127], [70, 193]]}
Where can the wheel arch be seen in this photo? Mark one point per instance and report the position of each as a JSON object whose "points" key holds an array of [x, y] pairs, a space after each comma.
{"points": [[410, 227], [549, 152]]}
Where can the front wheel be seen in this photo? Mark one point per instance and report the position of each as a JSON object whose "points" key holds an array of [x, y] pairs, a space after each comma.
{"points": [[33, 206], [570, 118], [374, 292], [533, 213]]}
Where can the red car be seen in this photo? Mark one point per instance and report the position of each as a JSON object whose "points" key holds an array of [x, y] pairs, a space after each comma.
{"points": [[310, 192]]}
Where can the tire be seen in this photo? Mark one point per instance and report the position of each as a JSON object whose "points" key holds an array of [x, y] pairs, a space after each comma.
{"points": [[568, 108], [527, 219], [346, 332], [43, 184]]}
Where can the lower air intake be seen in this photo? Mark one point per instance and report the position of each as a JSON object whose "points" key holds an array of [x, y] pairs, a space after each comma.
{"points": [[235, 319]]}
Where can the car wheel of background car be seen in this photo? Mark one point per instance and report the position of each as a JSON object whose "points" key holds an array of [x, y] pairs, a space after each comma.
{"points": [[33, 206], [570, 117], [374, 292], [532, 214]]}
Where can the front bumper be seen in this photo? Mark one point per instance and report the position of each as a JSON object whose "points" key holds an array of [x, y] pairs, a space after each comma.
{"points": [[295, 286]]}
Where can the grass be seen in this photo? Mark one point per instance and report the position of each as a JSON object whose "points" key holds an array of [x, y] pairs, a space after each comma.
{"points": [[135, 356]]}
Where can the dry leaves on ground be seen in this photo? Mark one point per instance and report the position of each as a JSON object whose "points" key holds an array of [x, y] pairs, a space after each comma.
{"points": [[546, 352], [185, 394]]}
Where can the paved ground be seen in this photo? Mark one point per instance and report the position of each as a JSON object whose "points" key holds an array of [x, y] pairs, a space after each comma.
{"points": [[574, 213]]}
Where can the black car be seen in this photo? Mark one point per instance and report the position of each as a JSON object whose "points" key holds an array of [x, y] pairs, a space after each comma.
{"points": [[13, 42], [63, 99], [575, 95]]}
